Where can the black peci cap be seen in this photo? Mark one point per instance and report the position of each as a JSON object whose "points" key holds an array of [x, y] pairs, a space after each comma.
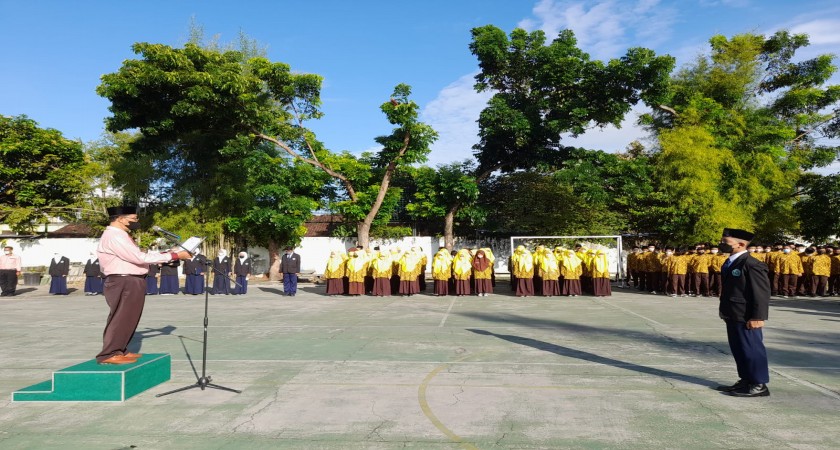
{"points": [[736, 233], [121, 210]]}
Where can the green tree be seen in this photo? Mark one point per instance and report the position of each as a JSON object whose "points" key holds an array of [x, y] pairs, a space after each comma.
{"points": [[191, 104], [819, 207], [751, 121], [39, 172], [543, 91], [446, 193]]}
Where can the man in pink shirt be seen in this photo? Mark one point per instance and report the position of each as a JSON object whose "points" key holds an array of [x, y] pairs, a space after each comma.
{"points": [[9, 272], [125, 267]]}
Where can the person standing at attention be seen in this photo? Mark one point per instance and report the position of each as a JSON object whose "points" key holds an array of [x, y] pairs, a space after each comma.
{"points": [[744, 306], [290, 268], [59, 269], [242, 270], [125, 267], [10, 267]]}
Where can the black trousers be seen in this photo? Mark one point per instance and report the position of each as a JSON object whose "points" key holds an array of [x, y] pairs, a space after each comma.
{"points": [[8, 281]]}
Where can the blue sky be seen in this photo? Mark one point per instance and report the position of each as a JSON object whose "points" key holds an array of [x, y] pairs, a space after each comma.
{"points": [[54, 52]]}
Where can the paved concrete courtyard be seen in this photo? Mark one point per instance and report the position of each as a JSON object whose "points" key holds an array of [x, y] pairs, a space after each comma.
{"points": [[627, 371]]}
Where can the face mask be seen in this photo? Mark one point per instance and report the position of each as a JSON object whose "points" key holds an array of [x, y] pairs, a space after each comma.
{"points": [[669, 253], [481, 256], [8, 252], [714, 252], [725, 248], [650, 249], [133, 226], [787, 250]]}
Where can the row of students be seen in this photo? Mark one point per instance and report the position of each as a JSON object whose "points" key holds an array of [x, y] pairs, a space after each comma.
{"points": [[793, 269], [194, 270], [560, 271], [544, 272]]}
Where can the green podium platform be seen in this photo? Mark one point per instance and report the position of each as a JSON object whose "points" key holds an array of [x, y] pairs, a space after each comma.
{"points": [[92, 382]]}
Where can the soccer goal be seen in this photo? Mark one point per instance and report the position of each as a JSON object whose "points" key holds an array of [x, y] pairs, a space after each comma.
{"points": [[610, 244]]}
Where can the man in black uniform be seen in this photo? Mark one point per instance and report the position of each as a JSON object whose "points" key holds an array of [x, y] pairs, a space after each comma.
{"points": [[744, 304]]}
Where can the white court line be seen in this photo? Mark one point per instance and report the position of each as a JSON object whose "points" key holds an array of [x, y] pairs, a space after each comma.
{"points": [[446, 316], [818, 388], [630, 312]]}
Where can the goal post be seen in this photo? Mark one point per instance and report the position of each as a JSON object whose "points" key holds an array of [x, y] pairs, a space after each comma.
{"points": [[611, 244]]}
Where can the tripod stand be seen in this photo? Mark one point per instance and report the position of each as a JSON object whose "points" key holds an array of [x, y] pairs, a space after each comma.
{"points": [[204, 381]]}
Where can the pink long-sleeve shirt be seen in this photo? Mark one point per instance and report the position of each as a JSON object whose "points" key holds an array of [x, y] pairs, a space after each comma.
{"points": [[10, 262], [119, 255]]}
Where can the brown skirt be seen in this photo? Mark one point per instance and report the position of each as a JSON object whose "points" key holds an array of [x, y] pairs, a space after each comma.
{"points": [[601, 287], [409, 287], [550, 288], [335, 286], [483, 286], [441, 287], [462, 287], [524, 287], [571, 287], [356, 288], [381, 287]]}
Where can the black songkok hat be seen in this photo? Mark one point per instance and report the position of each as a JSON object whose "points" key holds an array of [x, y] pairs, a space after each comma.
{"points": [[121, 210], [744, 235]]}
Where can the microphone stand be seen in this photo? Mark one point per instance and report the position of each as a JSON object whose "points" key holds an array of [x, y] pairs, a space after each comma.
{"points": [[204, 381]]}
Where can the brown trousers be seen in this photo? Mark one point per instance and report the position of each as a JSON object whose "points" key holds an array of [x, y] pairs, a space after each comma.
{"points": [[715, 284], [125, 297], [676, 284], [701, 283], [818, 285], [788, 284]]}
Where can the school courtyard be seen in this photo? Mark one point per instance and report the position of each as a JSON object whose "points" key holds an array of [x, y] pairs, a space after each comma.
{"points": [[498, 372]]}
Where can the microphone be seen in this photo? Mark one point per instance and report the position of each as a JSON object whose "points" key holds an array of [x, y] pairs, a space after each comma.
{"points": [[166, 232]]}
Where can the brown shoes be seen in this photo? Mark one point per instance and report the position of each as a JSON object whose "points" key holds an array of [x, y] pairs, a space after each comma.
{"points": [[133, 355], [119, 359]]}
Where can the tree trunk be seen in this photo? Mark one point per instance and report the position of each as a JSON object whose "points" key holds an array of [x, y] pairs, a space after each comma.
{"points": [[363, 232], [449, 226], [274, 261]]}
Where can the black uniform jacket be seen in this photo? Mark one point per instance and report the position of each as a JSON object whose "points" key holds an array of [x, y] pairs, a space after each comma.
{"points": [[290, 264], [170, 268], [92, 269], [242, 268], [60, 268], [746, 290]]}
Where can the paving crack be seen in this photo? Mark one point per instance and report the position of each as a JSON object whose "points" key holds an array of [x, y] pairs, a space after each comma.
{"points": [[251, 418]]}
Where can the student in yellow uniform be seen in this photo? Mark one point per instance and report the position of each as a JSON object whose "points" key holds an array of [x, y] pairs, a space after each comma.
{"points": [[462, 271], [716, 261], [409, 272], [570, 271], [601, 286], [820, 271], [523, 269], [834, 278], [675, 265], [334, 273], [381, 269], [357, 266], [550, 270], [482, 271], [442, 271], [790, 268]]}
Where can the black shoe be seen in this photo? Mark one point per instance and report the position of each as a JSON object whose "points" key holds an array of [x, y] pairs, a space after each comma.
{"points": [[753, 390], [740, 384]]}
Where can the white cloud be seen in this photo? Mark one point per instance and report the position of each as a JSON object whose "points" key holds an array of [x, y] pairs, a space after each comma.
{"points": [[604, 28], [820, 31], [610, 138], [453, 114]]}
